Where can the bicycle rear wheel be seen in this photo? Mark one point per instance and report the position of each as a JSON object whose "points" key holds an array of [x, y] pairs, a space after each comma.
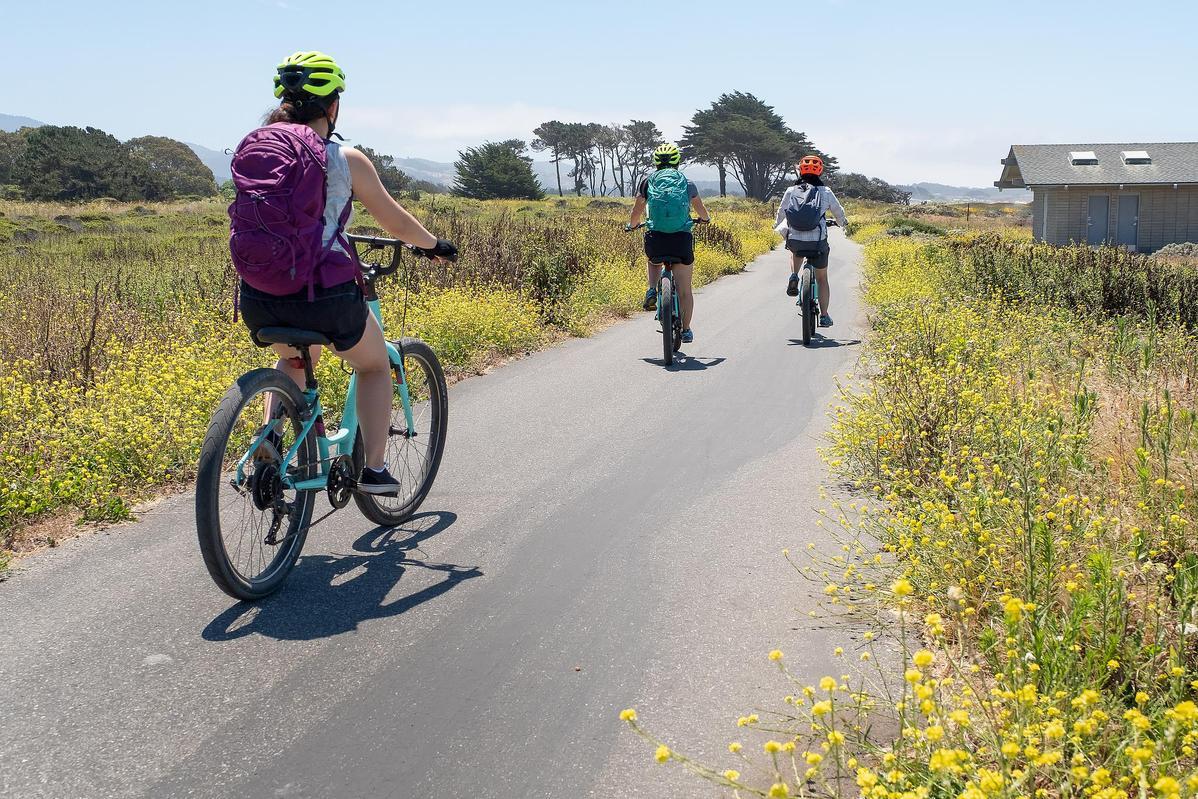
{"points": [[806, 304], [665, 304], [414, 456], [251, 528]]}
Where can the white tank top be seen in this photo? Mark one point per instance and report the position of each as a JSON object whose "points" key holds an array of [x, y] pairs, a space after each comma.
{"points": [[339, 191]]}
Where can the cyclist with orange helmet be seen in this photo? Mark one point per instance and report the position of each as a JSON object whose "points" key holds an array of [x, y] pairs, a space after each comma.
{"points": [[801, 221]]}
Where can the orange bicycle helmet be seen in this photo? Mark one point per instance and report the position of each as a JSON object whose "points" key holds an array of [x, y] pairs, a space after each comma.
{"points": [[811, 165]]}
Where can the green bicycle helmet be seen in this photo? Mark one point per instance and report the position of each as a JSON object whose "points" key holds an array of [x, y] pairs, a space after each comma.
{"points": [[667, 154], [310, 73]]}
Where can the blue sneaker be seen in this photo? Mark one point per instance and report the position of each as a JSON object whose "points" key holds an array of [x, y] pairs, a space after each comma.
{"points": [[688, 336], [825, 320], [650, 300]]}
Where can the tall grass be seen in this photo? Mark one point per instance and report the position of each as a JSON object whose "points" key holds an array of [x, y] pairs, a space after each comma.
{"points": [[117, 334]]}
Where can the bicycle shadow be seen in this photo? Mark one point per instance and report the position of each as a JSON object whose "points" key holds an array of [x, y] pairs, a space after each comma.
{"points": [[819, 342], [327, 595], [685, 363]]}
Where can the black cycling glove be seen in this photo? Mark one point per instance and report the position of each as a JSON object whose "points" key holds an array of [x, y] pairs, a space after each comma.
{"points": [[443, 249]]}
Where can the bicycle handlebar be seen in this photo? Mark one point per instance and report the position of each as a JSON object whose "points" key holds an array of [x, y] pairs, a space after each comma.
{"points": [[373, 243], [694, 220]]}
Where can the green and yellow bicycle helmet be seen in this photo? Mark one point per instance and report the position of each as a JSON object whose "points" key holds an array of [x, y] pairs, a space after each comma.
{"points": [[667, 154], [309, 72]]}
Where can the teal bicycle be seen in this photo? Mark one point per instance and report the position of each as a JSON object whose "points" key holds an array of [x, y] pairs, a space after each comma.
{"points": [[669, 312], [269, 450]]}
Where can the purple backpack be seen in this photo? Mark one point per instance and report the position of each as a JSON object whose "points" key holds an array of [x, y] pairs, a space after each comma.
{"points": [[277, 218]]}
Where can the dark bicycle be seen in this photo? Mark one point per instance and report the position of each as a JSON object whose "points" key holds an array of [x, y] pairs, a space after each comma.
{"points": [[808, 301], [669, 312]]}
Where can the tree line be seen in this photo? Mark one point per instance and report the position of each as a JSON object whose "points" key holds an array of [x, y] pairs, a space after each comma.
{"points": [[739, 134], [742, 137], [71, 164]]}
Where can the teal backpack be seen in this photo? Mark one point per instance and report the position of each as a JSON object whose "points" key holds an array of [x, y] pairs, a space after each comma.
{"points": [[669, 202]]}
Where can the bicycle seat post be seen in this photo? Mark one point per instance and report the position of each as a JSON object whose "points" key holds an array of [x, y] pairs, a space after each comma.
{"points": [[310, 384]]}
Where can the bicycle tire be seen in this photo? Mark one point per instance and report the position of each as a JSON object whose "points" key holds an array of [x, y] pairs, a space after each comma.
{"points": [[665, 301], [806, 301], [393, 511], [210, 481]]}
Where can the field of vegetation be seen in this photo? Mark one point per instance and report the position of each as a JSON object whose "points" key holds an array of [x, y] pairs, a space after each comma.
{"points": [[117, 335], [1024, 446]]}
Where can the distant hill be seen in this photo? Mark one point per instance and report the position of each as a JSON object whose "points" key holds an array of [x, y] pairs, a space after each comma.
{"points": [[9, 123], [939, 192], [215, 160]]}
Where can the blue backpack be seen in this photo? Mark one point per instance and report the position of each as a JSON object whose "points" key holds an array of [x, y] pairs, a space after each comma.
{"points": [[803, 211], [669, 202]]}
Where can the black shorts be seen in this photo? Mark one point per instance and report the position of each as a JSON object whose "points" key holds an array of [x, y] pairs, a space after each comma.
{"points": [[670, 245], [338, 312], [814, 251]]}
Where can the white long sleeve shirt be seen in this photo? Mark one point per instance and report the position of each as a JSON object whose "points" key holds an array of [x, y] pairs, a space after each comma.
{"points": [[827, 202]]}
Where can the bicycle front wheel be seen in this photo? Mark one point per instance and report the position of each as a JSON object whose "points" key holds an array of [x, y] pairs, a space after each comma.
{"points": [[251, 527], [413, 455], [807, 304], [665, 302]]}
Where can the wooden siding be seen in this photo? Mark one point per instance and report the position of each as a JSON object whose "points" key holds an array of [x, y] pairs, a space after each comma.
{"points": [[1167, 215]]}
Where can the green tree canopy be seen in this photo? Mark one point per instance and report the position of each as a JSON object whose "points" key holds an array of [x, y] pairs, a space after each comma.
{"points": [[552, 136], [12, 151], [69, 163], [852, 184], [394, 179], [496, 170], [174, 170], [743, 135]]}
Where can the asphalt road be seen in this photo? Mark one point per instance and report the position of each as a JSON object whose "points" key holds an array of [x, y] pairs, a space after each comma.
{"points": [[603, 533]]}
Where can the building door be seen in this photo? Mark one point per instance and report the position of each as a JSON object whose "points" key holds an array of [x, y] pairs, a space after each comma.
{"points": [[1129, 220], [1096, 222]]}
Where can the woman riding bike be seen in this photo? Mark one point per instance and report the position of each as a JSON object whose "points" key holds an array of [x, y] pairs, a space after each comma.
{"points": [[309, 86], [811, 243], [669, 198]]}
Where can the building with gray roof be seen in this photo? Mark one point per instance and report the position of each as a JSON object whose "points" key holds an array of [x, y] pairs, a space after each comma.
{"points": [[1138, 196]]}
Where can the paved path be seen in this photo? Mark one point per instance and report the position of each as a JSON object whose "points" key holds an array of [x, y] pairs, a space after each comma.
{"points": [[603, 533]]}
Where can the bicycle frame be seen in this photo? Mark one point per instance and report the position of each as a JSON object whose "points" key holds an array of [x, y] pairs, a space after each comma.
{"points": [[669, 269], [342, 441]]}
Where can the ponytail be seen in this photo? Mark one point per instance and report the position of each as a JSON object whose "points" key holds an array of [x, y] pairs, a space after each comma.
{"points": [[300, 110]]}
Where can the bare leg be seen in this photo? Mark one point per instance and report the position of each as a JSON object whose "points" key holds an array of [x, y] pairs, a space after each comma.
{"points": [[375, 389], [821, 279], [683, 284], [654, 275], [296, 373], [796, 262]]}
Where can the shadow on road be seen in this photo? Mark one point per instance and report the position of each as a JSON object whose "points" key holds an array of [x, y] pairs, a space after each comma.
{"points": [[328, 595], [685, 363], [819, 342]]}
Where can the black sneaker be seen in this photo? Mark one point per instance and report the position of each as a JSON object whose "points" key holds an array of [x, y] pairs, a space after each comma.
{"points": [[792, 286], [650, 300], [378, 483]]}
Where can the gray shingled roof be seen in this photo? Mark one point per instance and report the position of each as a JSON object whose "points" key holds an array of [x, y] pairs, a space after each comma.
{"points": [[1049, 164]]}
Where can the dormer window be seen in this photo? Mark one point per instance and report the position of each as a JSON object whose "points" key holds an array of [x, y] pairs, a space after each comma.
{"points": [[1136, 157], [1083, 158]]}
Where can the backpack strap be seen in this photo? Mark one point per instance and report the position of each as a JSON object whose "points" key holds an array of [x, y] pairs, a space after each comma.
{"points": [[338, 237]]}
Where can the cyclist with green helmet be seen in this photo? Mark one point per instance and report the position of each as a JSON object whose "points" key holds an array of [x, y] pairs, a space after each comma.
{"points": [[309, 86], [668, 197]]}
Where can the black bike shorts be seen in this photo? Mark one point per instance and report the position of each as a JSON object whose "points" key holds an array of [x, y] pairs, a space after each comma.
{"points": [[339, 312], [680, 246], [814, 251]]}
